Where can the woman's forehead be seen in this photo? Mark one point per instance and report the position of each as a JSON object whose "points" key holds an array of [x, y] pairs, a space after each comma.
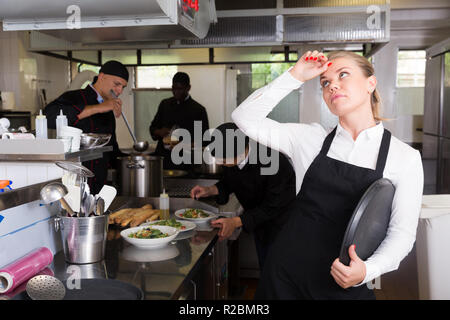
{"points": [[338, 64]]}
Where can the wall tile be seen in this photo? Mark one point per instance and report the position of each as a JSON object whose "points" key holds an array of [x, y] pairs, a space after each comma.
{"points": [[54, 172], [17, 173], [36, 173], [2, 171]]}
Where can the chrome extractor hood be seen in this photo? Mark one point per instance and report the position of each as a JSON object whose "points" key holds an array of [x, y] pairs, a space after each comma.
{"points": [[109, 21]]}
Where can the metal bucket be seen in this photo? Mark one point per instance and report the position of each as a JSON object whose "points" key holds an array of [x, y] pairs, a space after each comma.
{"points": [[84, 238]]}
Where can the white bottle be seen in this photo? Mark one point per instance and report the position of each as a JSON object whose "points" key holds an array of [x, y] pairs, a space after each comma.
{"points": [[61, 121], [164, 205], [41, 126]]}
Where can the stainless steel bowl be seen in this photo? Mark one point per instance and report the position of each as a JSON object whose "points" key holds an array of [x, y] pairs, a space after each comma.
{"points": [[94, 140]]}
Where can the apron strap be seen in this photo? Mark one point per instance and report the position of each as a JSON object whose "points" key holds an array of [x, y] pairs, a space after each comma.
{"points": [[383, 152], [327, 142]]}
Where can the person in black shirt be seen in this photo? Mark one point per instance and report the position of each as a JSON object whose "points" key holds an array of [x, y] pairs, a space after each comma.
{"points": [[263, 197], [179, 111], [94, 110]]}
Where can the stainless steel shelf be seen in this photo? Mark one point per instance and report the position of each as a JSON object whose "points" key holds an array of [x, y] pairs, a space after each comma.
{"points": [[78, 156]]}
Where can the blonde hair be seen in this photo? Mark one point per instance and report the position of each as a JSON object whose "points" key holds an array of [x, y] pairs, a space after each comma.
{"points": [[368, 70]]}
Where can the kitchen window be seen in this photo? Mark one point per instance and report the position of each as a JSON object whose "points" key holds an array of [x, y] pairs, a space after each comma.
{"points": [[411, 68], [158, 77]]}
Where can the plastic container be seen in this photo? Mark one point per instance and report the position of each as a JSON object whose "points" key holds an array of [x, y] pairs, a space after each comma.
{"points": [[73, 132], [164, 205], [41, 126], [61, 121]]}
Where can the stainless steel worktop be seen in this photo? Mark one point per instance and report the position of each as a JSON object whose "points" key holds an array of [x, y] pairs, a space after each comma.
{"points": [[176, 271], [78, 156]]}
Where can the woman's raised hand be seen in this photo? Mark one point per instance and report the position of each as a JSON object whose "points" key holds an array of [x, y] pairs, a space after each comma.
{"points": [[310, 65]]}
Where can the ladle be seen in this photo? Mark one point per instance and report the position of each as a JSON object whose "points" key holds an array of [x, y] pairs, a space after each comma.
{"points": [[139, 146], [56, 191]]}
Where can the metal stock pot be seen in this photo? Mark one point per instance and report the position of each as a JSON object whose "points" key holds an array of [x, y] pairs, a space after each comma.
{"points": [[141, 175]]}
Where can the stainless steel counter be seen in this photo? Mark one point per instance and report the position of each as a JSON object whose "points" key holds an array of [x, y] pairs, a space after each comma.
{"points": [[194, 266], [78, 156]]}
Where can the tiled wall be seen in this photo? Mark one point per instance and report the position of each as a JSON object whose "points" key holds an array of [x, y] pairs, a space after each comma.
{"points": [[23, 174]]}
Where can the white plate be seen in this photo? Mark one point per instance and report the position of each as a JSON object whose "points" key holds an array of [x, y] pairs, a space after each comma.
{"points": [[187, 224], [179, 213], [150, 243]]}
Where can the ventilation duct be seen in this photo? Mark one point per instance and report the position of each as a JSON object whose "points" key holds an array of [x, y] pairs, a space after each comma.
{"points": [[86, 21]]}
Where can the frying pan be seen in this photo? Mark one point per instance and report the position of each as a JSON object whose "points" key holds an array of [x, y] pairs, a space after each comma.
{"points": [[370, 220]]}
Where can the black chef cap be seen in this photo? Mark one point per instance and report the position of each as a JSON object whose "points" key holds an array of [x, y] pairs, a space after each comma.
{"points": [[232, 137], [115, 68], [181, 77]]}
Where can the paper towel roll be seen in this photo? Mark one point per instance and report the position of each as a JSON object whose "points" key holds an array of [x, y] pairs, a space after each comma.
{"points": [[8, 100], [24, 268], [17, 136]]}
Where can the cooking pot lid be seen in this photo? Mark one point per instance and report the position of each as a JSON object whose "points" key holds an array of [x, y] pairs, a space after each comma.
{"points": [[370, 220]]}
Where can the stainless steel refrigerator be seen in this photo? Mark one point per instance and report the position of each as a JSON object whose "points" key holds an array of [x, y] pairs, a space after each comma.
{"points": [[436, 127]]}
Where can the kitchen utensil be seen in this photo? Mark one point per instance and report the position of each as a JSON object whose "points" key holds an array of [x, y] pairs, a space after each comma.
{"points": [[107, 193], [141, 176], [76, 168], [83, 173], [370, 220], [94, 140], [73, 197], [56, 191], [84, 238], [138, 145], [45, 287], [99, 207], [91, 208]]}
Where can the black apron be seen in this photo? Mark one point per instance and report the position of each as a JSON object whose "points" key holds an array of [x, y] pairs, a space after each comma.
{"points": [[298, 265]]}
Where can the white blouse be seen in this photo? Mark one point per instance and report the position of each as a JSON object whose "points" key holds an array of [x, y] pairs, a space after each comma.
{"points": [[302, 143]]}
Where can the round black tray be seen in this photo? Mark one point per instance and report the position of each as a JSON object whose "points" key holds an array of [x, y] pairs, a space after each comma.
{"points": [[370, 220], [97, 289]]}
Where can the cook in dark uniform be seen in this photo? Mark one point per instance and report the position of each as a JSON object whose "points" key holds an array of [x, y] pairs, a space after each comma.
{"points": [[333, 170], [263, 197], [180, 111], [94, 110]]}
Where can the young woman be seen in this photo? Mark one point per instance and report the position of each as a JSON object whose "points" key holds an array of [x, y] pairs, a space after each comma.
{"points": [[333, 170]]}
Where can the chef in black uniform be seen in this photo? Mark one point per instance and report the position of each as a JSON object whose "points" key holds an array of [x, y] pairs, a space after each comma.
{"points": [[179, 111], [94, 110], [264, 197]]}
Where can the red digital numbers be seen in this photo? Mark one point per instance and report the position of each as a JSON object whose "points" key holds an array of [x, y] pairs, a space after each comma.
{"points": [[192, 4]]}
